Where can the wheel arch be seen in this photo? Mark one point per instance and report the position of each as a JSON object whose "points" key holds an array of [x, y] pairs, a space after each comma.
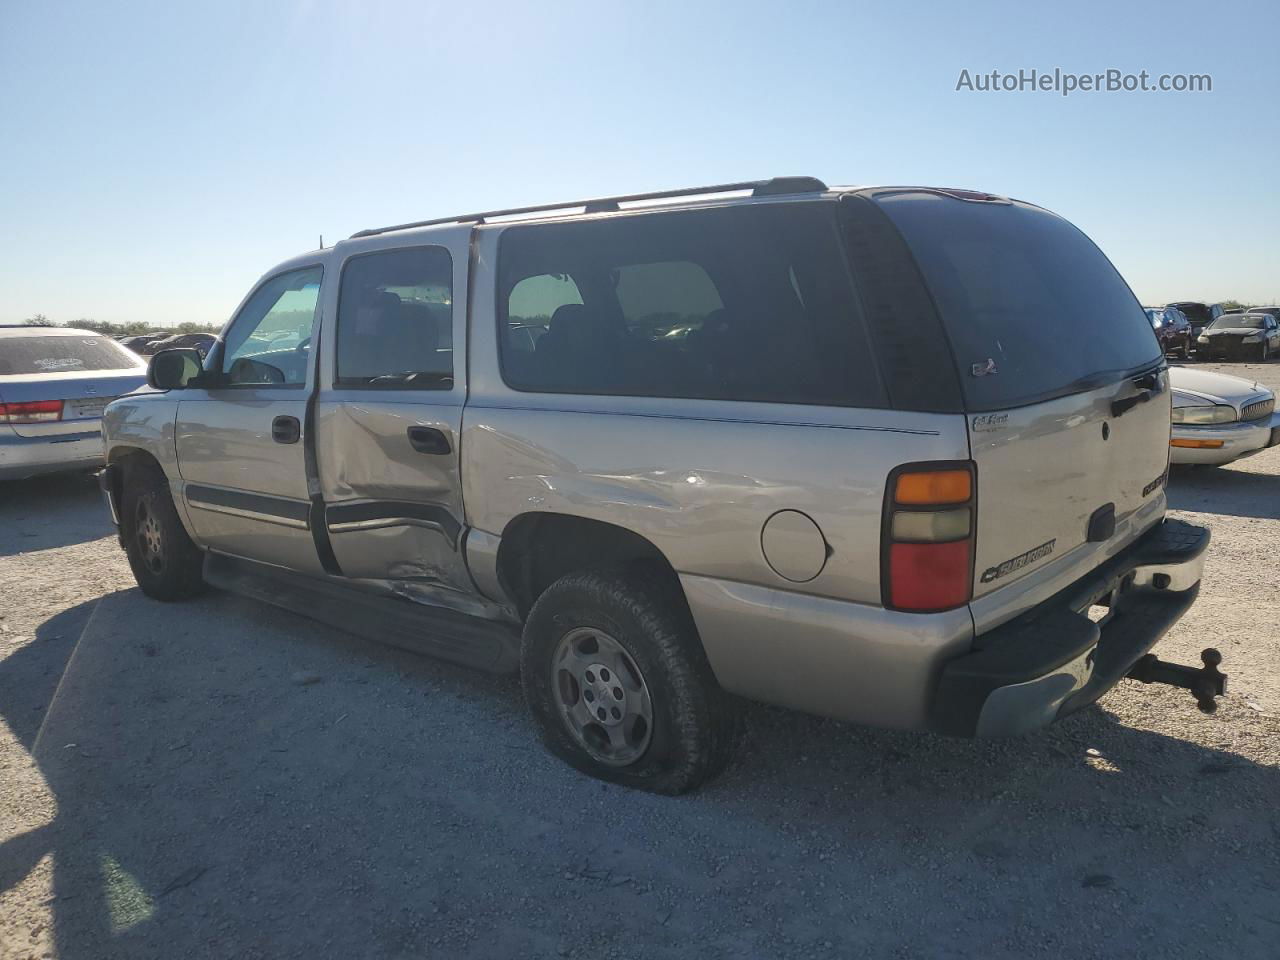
{"points": [[539, 547], [120, 457]]}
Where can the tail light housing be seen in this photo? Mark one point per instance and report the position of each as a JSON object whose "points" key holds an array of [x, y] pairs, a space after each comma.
{"points": [[930, 516], [36, 411]]}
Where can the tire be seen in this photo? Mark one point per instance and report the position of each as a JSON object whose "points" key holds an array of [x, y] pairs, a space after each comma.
{"points": [[165, 562], [1264, 353], [641, 625]]}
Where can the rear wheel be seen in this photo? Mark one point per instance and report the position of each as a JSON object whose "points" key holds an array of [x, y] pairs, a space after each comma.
{"points": [[166, 564], [617, 680]]}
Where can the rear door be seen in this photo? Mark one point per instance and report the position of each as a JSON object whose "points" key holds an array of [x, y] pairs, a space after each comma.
{"points": [[390, 409], [1069, 434], [240, 443]]}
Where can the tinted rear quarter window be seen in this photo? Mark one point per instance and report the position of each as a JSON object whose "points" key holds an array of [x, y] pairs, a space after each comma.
{"points": [[751, 303], [1032, 307], [27, 355]]}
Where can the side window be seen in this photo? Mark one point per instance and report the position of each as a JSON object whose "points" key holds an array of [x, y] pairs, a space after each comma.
{"points": [[751, 303], [395, 320], [665, 300], [269, 343], [531, 305]]}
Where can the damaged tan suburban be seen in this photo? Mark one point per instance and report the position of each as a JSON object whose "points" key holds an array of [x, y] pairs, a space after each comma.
{"points": [[811, 446]]}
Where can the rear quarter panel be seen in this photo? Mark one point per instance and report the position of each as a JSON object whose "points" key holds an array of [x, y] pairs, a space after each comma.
{"points": [[697, 478]]}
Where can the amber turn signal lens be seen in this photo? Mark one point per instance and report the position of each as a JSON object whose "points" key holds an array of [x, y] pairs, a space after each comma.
{"points": [[1196, 444], [934, 487]]}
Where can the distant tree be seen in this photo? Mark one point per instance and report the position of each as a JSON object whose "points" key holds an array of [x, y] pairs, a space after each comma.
{"points": [[39, 320], [97, 326]]}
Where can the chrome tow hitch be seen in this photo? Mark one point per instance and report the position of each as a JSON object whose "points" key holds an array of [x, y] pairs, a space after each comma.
{"points": [[1205, 683]]}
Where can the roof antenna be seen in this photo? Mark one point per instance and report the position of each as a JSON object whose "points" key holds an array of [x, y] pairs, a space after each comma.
{"points": [[322, 241]]}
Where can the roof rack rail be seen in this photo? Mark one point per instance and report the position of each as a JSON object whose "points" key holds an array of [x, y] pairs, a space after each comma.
{"points": [[759, 188]]}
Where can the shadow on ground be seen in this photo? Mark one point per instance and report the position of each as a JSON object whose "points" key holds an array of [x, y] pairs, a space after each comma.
{"points": [[1233, 490], [52, 511], [232, 781]]}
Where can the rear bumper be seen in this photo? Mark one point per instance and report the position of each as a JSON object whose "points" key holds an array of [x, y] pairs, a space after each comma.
{"points": [[1054, 660], [1238, 440], [30, 456]]}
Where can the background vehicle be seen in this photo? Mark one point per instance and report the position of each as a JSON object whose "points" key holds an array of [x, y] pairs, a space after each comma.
{"points": [[1218, 418], [778, 503], [1198, 315], [54, 384], [1172, 330], [200, 342], [1240, 336], [140, 344]]}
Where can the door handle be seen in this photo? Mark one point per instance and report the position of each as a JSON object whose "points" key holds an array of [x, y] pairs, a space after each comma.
{"points": [[429, 440], [286, 430]]}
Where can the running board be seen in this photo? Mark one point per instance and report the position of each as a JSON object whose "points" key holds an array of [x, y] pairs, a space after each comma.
{"points": [[384, 618]]}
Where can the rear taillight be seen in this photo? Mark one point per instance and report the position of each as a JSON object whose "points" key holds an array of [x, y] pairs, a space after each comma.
{"points": [[37, 411], [928, 537]]}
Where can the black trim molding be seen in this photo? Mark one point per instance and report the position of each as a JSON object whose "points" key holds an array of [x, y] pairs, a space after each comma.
{"points": [[343, 517], [296, 511]]}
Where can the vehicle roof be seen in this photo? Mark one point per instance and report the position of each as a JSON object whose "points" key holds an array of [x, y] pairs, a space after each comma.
{"points": [[775, 190], [25, 330]]}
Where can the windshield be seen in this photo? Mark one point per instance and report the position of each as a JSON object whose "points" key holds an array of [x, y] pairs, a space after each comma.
{"points": [[1013, 284], [27, 355], [1238, 321], [1155, 316]]}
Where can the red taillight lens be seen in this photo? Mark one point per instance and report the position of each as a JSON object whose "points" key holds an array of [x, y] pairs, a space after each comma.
{"points": [[928, 537], [929, 576], [38, 411]]}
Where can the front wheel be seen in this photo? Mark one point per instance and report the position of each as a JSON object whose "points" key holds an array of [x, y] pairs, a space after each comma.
{"points": [[164, 560], [616, 678]]}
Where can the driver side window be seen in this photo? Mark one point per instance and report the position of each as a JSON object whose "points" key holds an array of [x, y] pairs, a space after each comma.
{"points": [[268, 345]]}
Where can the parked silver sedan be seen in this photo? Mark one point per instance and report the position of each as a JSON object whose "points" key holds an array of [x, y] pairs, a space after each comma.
{"points": [[1218, 418], [54, 384]]}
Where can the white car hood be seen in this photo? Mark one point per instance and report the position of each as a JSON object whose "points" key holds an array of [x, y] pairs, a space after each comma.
{"points": [[1191, 386]]}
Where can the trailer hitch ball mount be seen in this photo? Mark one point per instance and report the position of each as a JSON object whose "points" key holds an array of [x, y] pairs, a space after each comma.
{"points": [[1205, 683]]}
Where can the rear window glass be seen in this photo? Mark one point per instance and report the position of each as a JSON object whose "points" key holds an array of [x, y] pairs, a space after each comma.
{"points": [[750, 303], [26, 355], [1032, 307]]}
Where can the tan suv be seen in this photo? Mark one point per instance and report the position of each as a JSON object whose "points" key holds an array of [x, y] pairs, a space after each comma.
{"points": [[816, 447]]}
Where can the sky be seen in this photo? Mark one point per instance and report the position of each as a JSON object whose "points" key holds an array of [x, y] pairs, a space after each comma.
{"points": [[157, 158]]}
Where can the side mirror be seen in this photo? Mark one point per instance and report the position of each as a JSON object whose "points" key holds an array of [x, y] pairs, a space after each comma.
{"points": [[174, 369]]}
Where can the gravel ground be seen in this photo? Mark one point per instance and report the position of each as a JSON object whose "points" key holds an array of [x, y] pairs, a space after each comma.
{"points": [[222, 779]]}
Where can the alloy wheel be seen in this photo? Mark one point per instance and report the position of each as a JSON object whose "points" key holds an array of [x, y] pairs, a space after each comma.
{"points": [[602, 697], [148, 535]]}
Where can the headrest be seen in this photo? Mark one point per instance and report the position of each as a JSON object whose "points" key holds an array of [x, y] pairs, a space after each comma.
{"points": [[570, 320]]}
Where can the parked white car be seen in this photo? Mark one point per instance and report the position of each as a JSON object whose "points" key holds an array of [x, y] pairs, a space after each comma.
{"points": [[1218, 418], [54, 384]]}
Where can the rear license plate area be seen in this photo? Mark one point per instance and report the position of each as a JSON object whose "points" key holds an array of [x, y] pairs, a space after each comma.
{"points": [[88, 407]]}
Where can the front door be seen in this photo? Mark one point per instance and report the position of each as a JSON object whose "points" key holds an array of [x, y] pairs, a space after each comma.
{"points": [[389, 412], [240, 442]]}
